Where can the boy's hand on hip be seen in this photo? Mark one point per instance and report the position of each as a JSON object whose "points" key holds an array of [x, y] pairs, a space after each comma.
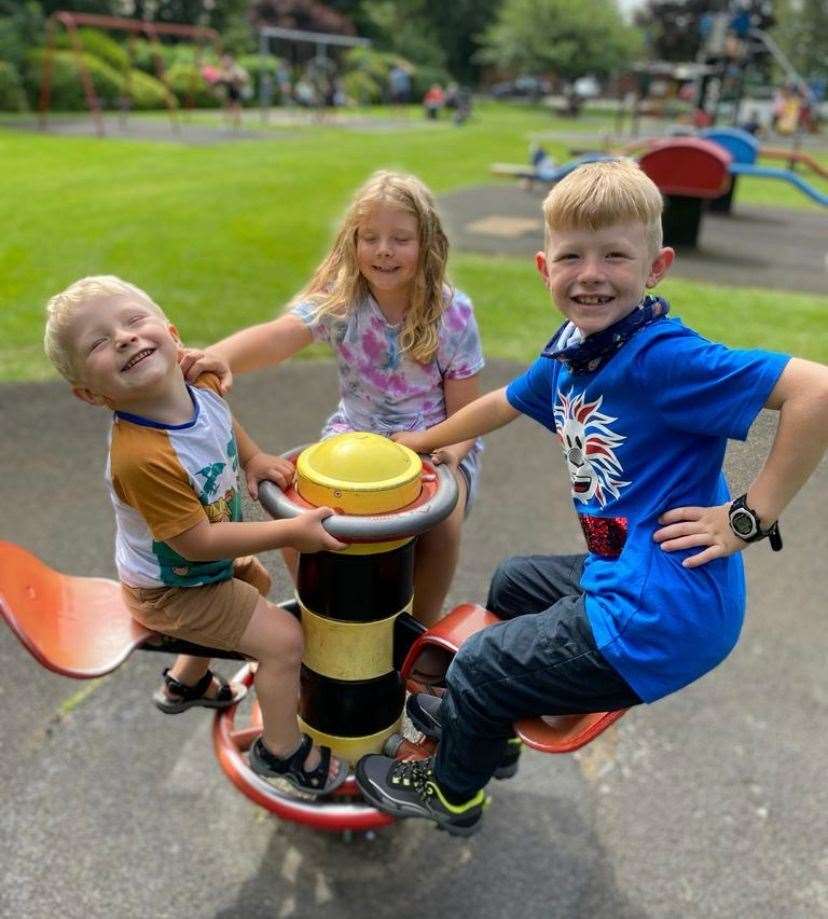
{"points": [[689, 527], [310, 535], [194, 362], [267, 467]]}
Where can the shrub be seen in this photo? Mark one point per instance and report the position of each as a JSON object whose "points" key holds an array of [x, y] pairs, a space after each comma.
{"points": [[12, 98], [147, 92], [185, 80], [67, 92], [258, 66], [143, 55], [424, 76], [101, 45]]}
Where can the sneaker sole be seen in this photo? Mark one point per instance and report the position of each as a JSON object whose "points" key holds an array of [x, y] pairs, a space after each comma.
{"points": [[402, 811]]}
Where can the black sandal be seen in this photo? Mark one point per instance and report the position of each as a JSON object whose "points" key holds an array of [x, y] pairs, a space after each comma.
{"points": [[190, 696], [314, 782]]}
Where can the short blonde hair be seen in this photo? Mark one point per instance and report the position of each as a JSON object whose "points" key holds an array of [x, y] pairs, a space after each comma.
{"points": [[337, 287], [61, 309], [597, 195]]}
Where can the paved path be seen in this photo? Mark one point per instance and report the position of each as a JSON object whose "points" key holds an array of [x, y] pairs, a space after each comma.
{"points": [[711, 803], [775, 248]]}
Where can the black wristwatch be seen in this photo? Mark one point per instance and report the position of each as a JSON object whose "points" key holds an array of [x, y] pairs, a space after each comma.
{"points": [[744, 521]]}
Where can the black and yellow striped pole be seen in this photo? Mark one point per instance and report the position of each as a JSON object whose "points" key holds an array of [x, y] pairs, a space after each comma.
{"points": [[352, 696]]}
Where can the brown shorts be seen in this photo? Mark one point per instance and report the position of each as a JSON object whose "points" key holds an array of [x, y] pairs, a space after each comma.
{"points": [[214, 615]]}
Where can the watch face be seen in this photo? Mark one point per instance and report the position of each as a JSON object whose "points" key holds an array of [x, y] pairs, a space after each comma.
{"points": [[743, 523]]}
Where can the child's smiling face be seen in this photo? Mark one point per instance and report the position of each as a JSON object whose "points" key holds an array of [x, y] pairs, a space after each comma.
{"points": [[122, 348], [596, 277], [388, 250]]}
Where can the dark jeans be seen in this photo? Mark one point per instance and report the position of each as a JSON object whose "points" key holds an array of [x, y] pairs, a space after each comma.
{"points": [[542, 660]]}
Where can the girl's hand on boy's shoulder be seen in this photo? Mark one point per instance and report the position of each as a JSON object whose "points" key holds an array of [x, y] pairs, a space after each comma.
{"points": [[691, 527], [263, 467], [194, 362]]}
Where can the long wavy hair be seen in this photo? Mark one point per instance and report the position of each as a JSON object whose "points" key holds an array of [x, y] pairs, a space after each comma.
{"points": [[337, 286]]}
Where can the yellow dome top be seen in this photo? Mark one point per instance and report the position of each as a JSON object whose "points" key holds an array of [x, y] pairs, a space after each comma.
{"points": [[359, 473]]}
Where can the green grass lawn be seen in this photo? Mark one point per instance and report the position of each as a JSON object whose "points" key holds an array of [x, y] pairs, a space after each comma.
{"points": [[222, 235]]}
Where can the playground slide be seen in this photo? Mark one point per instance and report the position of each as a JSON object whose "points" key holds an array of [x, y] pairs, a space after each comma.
{"points": [[783, 175]]}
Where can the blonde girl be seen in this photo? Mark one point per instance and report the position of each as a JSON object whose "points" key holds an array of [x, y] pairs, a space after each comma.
{"points": [[406, 345]]}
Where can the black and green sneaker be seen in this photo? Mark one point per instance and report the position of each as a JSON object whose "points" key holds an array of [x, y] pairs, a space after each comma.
{"points": [[407, 788], [424, 711]]}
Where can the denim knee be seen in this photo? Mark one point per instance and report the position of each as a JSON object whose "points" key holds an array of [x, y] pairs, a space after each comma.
{"points": [[502, 583]]}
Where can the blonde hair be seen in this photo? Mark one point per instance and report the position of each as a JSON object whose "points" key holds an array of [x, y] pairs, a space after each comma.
{"points": [[337, 287], [61, 308], [597, 195]]}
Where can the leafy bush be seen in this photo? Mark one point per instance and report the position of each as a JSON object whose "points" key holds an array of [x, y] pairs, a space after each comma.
{"points": [[143, 55], [67, 92], [258, 66], [185, 80], [12, 98], [362, 88], [147, 92], [424, 76], [101, 45]]}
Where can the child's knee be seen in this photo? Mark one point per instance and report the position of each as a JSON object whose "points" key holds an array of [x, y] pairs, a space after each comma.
{"points": [[502, 584]]}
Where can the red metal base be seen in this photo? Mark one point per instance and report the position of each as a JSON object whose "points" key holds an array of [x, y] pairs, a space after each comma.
{"points": [[344, 810]]}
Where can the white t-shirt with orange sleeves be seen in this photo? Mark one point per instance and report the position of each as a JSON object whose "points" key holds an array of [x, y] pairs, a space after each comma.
{"points": [[164, 479]]}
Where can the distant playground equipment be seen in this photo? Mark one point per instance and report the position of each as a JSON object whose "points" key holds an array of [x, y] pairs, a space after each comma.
{"points": [[152, 30], [361, 643], [688, 171], [744, 149], [322, 42]]}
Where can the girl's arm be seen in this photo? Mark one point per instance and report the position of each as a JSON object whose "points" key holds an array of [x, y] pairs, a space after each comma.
{"points": [[801, 398], [249, 349], [485, 414], [458, 394]]}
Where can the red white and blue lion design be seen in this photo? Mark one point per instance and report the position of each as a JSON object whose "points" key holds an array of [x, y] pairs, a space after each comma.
{"points": [[588, 447]]}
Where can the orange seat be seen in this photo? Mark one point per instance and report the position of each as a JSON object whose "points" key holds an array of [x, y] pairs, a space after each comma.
{"points": [[78, 627], [549, 734]]}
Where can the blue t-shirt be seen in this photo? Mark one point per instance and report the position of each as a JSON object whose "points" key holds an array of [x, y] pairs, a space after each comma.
{"points": [[643, 434]]}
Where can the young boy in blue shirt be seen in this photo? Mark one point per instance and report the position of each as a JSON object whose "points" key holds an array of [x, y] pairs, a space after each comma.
{"points": [[643, 407]]}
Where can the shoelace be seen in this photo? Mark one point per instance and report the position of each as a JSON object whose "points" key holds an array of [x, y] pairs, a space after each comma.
{"points": [[414, 773]]}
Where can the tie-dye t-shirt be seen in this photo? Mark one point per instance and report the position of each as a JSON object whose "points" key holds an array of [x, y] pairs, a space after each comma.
{"points": [[383, 390]]}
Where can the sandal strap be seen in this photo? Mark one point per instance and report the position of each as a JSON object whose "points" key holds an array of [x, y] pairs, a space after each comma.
{"points": [[294, 764], [184, 692]]}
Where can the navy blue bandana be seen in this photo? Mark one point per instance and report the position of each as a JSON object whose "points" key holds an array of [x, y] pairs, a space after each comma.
{"points": [[585, 355]]}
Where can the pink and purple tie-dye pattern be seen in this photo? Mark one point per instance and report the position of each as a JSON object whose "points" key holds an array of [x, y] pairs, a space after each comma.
{"points": [[382, 390]]}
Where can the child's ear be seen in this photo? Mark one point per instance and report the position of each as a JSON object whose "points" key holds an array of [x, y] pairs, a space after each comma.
{"points": [[543, 270], [87, 396], [174, 332], [661, 265]]}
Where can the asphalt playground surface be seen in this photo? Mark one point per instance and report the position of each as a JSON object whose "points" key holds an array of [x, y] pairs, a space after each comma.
{"points": [[710, 803]]}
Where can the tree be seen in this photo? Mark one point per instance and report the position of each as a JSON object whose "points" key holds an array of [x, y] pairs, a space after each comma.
{"points": [[562, 37], [802, 33]]}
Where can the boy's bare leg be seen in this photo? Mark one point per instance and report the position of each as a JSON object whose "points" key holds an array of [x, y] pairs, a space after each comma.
{"points": [[436, 560], [274, 638]]}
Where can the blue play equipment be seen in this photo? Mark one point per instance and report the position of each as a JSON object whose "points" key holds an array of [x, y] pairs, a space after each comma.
{"points": [[554, 174], [744, 151]]}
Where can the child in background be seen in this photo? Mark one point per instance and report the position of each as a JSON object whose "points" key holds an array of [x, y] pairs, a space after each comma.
{"points": [[642, 408], [406, 345], [174, 452]]}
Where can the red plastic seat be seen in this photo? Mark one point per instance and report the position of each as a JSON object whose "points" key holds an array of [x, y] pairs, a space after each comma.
{"points": [[78, 627], [550, 734], [688, 167]]}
